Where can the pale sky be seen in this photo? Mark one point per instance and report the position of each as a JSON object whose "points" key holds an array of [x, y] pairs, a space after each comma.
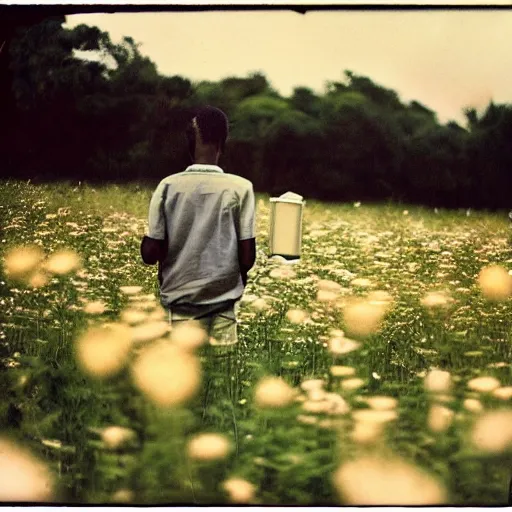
{"points": [[446, 60]]}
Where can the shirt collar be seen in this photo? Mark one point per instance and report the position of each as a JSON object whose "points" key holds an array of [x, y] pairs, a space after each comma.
{"points": [[203, 168]]}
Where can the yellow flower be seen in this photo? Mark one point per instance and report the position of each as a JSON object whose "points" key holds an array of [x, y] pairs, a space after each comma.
{"points": [[115, 437], [130, 290], [296, 316], [22, 262], [239, 490], [439, 418], [438, 381], [363, 317], [149, 331], [351, 384], [329, 286], [22, 476], [208, 447], [473, 405], [312, 385], [342, 371], [484, 384], [260, 304], [326, 296], [381, 403], [377, 481], [167, 374], [493, 431], [38, 280], [95, 308], [361, 282], [63, 262], [123, 496], [436, 300], [495, 282], [342, 345], [273, 392], [504, 393], [133, 316], [189, 335], [103, 351]]}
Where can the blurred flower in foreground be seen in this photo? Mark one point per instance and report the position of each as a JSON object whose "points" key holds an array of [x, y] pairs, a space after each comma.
{"points": [[22, 262], [484, 384], [492, 431], [342, 371], [123, 496], [22, 476], [260, 304], [503, 393], [208, 447], [273, 392], [381, 403], [103, 351], [363, 317], [310, 385], [495, 282], [378, 481], [239, 490], [188, 335], [115, 437], [63, 262], [341, 345], [361, 282], [149, 331], [326, 296], [133, 316], [434, 300], [167, 374], [351, 384], [296, 316], [366, 432], [282, 273], [130, 290], [38, 280], [439, 418], [438, 381], [473, 405], [96, 307]]}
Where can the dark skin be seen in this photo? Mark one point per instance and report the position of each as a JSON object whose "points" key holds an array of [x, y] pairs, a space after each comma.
{"points": [[154, 251]]}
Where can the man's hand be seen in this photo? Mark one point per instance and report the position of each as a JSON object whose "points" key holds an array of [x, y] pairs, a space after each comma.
{"points": [[153, 250]]}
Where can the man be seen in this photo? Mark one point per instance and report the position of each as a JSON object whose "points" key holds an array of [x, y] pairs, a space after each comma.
{"points": [[201, 232]]}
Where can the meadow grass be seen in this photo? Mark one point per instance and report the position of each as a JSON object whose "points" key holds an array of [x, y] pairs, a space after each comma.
{"points": [[289, 453]]}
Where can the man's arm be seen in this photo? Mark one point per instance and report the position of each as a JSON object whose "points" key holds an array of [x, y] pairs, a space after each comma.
{"points": [[246, 233], [154, 245], [152, 250], [246, 256]]}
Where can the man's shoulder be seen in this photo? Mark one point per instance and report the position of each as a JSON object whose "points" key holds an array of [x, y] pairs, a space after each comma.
{"points": [[243, 183]]}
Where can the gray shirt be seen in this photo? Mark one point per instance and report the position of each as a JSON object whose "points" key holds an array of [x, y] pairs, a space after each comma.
{"points": [[203, 213]]}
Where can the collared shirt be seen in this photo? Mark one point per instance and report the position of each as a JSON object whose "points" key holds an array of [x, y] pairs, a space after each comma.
{"points": [[202, 212]]}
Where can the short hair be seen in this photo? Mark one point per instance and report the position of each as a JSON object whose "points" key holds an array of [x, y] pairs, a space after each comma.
{"points": [[213, 127]]}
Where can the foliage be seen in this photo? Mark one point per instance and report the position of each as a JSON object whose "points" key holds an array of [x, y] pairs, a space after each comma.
{"points": [[58, 412], [83, 107]]}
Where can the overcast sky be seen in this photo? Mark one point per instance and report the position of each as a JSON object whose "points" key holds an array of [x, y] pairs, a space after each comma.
{"points": [[446, 60]]}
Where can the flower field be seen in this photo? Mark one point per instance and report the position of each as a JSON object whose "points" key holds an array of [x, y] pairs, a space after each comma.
{"points": [[376, 370]]}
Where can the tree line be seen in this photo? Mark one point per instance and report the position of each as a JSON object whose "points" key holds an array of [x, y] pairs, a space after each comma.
{"points": [[73, 119]]}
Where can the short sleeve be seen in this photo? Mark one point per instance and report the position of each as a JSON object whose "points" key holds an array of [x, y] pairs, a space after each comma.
{"points": [[156, 219], [247, 207]]}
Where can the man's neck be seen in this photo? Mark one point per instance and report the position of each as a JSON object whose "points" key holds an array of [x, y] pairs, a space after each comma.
{"points": [[206, 155], [203, 161]]}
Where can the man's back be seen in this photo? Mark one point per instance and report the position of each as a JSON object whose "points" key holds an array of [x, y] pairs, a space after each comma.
{"points": [[203, 213]]}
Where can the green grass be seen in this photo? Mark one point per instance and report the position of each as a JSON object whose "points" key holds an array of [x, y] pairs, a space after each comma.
{"points": [[287, 460]]}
